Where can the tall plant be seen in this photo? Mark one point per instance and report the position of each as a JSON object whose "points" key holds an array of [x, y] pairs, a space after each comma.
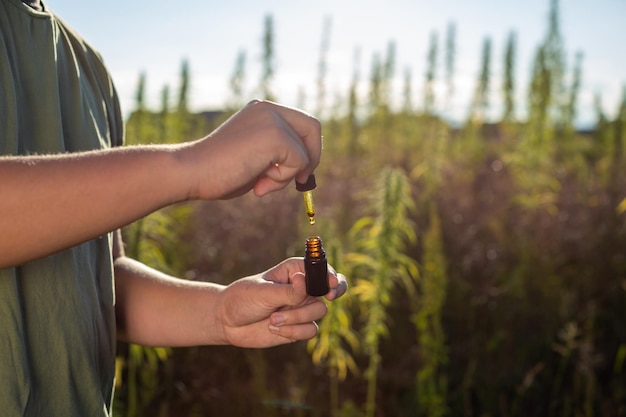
{"points": [[450, 54], [431, 73], [508, 82], [534, 154], [548, 103], [336, 340], [322, 67], [473, 143], [431, 380], [237, 82], [155, 241], [267, 62], [480, 101], [380, 243]]}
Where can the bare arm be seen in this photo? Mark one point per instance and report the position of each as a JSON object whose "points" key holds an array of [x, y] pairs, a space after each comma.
{"points": [[263, 310], [49, 203], [52, 202]]}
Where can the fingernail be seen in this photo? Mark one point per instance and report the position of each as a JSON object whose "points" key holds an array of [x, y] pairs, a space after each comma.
{"points": [[278, 319], [274, 329]]}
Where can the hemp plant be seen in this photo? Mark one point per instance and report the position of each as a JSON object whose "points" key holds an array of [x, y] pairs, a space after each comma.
{"points": [[381, 262]]}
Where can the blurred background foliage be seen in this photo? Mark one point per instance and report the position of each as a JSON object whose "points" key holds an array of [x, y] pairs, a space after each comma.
{"points": [[486, 258]]}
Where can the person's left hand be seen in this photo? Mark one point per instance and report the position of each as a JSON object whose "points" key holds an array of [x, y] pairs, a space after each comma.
{"points": [[273, 308]]}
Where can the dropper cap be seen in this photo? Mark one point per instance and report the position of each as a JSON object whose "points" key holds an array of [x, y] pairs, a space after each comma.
{"points": [[309, 185]]}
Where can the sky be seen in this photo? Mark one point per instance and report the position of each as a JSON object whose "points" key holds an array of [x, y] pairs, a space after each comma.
{"points": [[155, 37]]}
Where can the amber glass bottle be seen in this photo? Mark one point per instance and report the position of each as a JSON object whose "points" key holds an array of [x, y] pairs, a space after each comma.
{"points": [[315, 267]]}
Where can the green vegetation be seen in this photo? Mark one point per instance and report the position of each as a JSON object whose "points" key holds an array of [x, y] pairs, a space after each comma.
{"points": [[487, 261]]}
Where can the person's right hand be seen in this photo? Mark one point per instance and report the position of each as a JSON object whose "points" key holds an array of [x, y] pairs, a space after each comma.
{"points": [[262, 148], [87, 194]]}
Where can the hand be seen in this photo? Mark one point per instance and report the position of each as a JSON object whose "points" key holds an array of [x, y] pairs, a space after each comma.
{"points": [[273, 308], [262, 147]]}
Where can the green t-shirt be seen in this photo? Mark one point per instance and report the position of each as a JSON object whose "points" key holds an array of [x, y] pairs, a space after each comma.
{"points": [[57, 319]]}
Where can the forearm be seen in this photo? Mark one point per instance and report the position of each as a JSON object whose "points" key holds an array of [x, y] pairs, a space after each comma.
{"points": [[154, 309], [261, 310], [53, 202], [49, 203]]}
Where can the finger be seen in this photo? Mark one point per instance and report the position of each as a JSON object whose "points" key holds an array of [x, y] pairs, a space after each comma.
{"points": [[277, 295], [338, 286], [259, 335], [310, 311], [289, 164], [265, 185], [298, 280], [298, 332], [284, 272], [309, 131]]}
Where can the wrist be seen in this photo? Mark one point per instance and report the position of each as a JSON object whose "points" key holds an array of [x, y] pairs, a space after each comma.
{"points": [[150, 173], [213, 324], [173, 180], [189, 170]]}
